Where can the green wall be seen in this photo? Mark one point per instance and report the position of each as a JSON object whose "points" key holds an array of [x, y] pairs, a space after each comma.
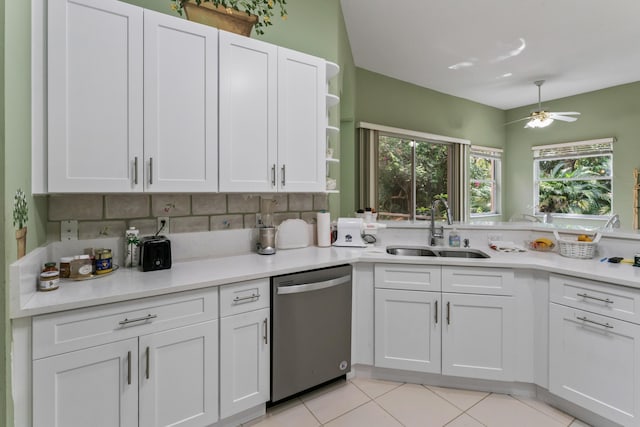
{"points": [[386, 101], [3, 295], [608, 112]]}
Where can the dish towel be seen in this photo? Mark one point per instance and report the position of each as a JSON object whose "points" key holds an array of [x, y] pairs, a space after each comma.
{"points": [[506, 246]]}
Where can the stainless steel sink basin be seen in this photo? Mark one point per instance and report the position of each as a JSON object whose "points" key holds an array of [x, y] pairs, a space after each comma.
{"points": [[435, 252], [462, 253], [409, 251]]}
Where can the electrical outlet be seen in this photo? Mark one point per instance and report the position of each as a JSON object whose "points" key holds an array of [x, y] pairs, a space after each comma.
{"points": [[167, 225], [69, 230], [259, 220]]}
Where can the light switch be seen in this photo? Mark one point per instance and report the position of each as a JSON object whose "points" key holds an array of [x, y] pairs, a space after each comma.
{"points": [[69, 230]]}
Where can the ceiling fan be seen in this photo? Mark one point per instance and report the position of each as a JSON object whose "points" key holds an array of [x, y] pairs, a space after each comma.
{"points": [[541, 118]]}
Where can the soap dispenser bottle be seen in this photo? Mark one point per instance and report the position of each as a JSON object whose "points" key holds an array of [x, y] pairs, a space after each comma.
{"points": [[454, 239]]}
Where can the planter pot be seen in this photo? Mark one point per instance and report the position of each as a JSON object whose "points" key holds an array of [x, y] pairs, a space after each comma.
{"points": [[21, 238], [217, 16]]}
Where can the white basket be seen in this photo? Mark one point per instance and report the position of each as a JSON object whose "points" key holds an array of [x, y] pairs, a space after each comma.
{"points": [[576, 249]]}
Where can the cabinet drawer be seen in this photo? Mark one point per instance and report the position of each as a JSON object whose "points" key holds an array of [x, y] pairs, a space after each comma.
{"points": [[597, 297], [408, 277], [243, 297], [66, 331], [471, 280]]}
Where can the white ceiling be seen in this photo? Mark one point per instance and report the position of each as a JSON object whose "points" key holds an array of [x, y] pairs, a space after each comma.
{"points": [[491, 51]]}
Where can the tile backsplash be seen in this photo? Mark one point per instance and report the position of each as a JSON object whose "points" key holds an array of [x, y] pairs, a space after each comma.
{"points": [[110, 215]]}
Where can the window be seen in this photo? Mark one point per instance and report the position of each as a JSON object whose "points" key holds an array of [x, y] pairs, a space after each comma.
{"points": [[402, 172], [484, 170], [575, 178]]}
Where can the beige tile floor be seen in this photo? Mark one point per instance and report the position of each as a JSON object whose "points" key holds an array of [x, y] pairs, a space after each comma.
{"points": [[372, 403]]}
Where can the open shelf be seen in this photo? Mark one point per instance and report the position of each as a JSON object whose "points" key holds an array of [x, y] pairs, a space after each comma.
{"points": [[332, 70], [332, 100]]}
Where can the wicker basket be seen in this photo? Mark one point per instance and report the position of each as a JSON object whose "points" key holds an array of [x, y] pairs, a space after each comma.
{"points": [[576, 249]]}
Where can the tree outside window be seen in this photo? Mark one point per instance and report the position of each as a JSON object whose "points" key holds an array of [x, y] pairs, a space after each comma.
{"points": [[484, 171]]}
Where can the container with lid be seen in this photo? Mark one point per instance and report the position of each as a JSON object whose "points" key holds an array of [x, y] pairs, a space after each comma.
{"points": [[49, 280], [65, 267], [104, 262], [81, 267]]}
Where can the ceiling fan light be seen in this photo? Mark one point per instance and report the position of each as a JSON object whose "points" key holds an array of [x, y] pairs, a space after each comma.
{"points": [[539, 123]]}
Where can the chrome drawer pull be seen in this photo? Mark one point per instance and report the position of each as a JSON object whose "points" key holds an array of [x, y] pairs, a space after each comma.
{"points": [[584, 319], [265, 334], [139, 319], [135, 171], [605, 300], [237, 300], [129, 368]]}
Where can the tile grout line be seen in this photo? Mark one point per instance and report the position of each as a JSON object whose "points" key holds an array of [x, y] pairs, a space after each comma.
{"points": [[542, 412]]}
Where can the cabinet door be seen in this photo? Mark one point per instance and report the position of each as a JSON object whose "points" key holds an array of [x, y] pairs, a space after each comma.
{"points": [[407, 330], [301, 122], [179, 376], [95, 386], [248, 114], [180, 104], [95, 101], [244, 361], [478, 336], [595, 365]]}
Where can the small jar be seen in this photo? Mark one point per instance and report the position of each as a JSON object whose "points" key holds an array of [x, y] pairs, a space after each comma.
{"points": [[65, 267], [49, 281], [104, 260]]}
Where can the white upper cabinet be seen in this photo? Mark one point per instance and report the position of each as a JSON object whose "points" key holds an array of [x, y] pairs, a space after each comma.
{"points": [[133, 98], [272, 117], [248, 114], [180, 105], [301, 123], [95, 84]]}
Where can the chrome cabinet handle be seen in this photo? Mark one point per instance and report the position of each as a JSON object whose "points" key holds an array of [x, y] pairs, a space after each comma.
{"points": [[150, 170], [604, 300], [448, 313], [273, 175], [139, 319], [129, 368], [265, 334], [436, 315], [584, 319], [283, 176], [238, 300], [148, 364], [135, 170]]}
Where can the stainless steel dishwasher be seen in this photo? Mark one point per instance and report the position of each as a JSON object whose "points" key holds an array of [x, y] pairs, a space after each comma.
{"points": [[311, 329]]}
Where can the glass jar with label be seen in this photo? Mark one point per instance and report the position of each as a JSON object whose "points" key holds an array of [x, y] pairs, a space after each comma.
{"points": [[104, 262]]}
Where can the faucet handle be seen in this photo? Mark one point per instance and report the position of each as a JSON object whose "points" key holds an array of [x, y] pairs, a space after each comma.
{"points": [[466, 243]]}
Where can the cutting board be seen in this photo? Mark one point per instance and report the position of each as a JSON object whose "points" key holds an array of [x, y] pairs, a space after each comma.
{"points": [[294, 233]]}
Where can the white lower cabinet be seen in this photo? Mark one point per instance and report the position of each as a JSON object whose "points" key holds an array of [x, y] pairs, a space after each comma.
{"points": [[407, 330], [178, 376], [93, 386], [244, 346], [459, 334], [139, 362], [594, 362], [478, 336]]}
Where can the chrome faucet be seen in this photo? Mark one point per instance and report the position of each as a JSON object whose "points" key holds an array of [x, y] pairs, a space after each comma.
{"points": [[612, 222], [438, 234]]}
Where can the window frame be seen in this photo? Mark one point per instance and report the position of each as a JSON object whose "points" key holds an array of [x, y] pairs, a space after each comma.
{"points": [[457, 167], [495, 155], [572, 150]]}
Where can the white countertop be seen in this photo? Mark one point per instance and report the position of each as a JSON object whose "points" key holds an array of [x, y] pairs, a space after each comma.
{"points": [[126, 284]]}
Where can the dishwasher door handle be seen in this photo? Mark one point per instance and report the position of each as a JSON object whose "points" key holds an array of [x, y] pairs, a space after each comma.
{"points": [[308, 287]]}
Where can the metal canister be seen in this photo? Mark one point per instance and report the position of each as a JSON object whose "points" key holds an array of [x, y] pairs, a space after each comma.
{"points": [[49, 281], [104, 261]]}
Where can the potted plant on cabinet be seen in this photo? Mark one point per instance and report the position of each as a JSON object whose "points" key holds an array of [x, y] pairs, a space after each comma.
{"points": [[237, 16], [20, 218]]}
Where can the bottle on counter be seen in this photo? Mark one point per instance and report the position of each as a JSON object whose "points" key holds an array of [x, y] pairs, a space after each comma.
{"points": [[454, 239], [49, 277], [132, 239]]}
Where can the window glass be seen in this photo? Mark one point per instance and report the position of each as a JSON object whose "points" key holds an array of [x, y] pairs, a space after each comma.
{"points": [[404, 165], [484, 172], [577, 185]]}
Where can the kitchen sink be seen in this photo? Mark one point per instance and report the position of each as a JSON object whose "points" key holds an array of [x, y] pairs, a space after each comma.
{"points": [[410, 251], [435, 252], [462, 253]]}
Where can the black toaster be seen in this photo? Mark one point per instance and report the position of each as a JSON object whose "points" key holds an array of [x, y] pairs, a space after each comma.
{"points": [[155, 253]]}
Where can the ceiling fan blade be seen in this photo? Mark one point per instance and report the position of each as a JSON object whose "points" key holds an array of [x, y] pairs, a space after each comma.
{"points": [[566, 113], [516, 121], [555, 116]]}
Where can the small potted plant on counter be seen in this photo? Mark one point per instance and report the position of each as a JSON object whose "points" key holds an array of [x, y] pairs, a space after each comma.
{"points": [[237, 16], [20, 218]]}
